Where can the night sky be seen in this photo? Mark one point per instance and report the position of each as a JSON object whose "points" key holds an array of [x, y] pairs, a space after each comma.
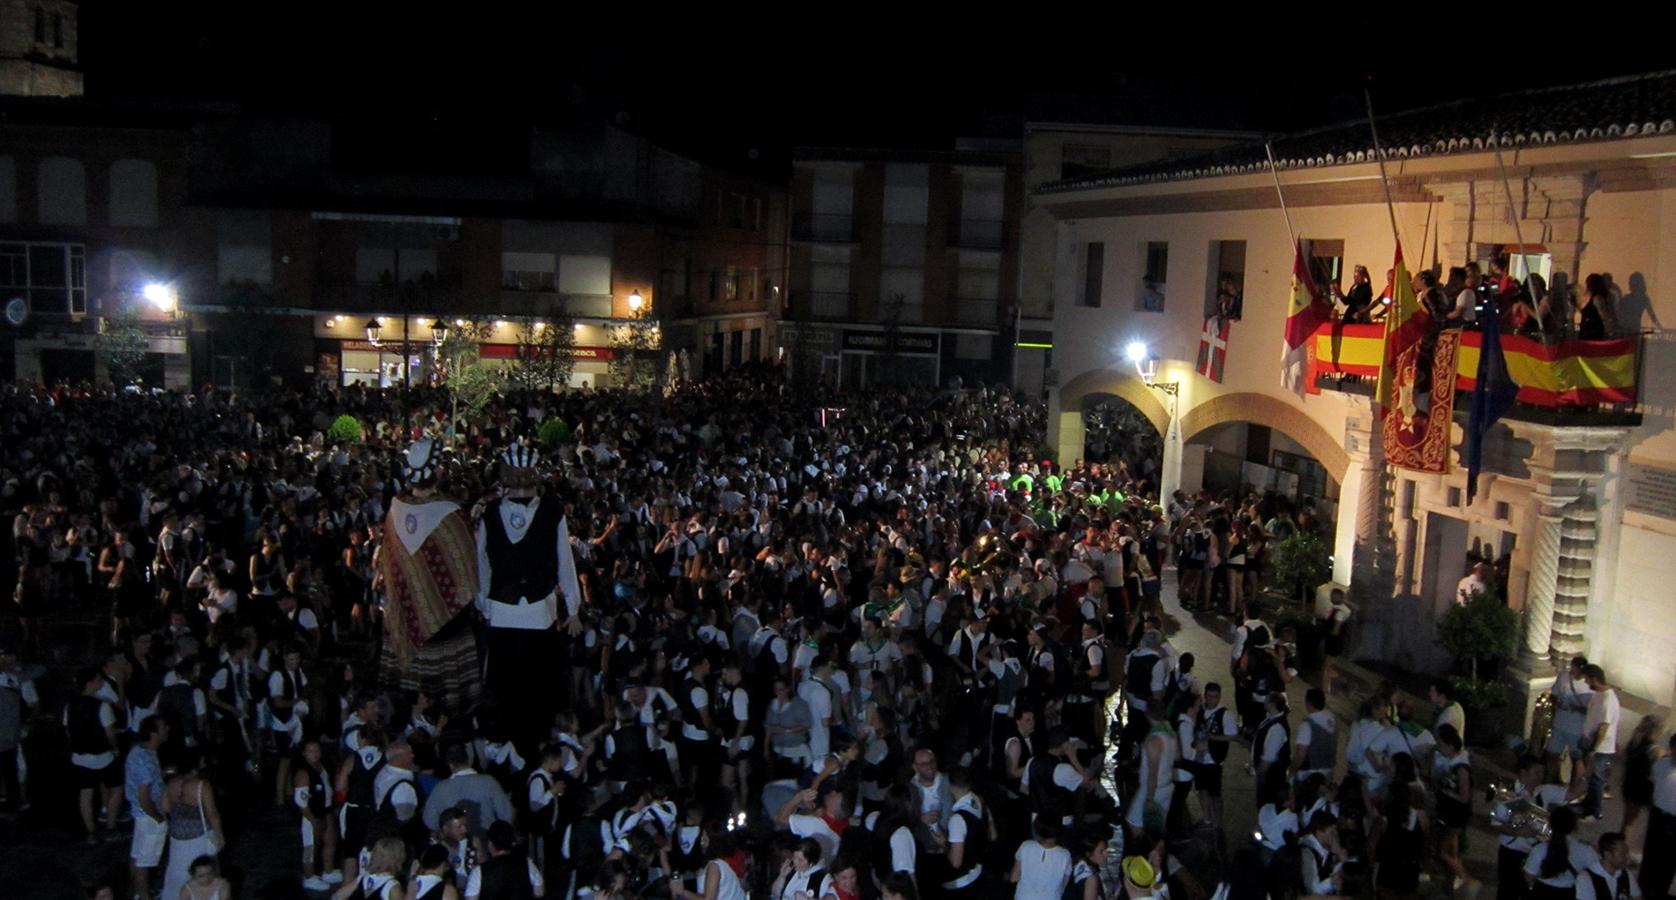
{"points": [[466, 92]]}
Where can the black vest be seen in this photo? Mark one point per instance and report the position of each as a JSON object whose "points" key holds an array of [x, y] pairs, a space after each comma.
{"points": [[1211, 723], [505, 878], [319, 792], [976, 846], [1137, 675], [87, 735], [178, 706], [1604, 889], [630, 753], [689, 710], [528, 569], [546, 819], [1046, 798]]}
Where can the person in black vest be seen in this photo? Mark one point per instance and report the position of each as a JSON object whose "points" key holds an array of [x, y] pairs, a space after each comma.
{"points": [[698, 731], [92, 724], [970, 833], [544, 795], [1089, 686], [183, 705], [527, 585], [312, 795], [734, 726], [289, 708], [1608, 877]]}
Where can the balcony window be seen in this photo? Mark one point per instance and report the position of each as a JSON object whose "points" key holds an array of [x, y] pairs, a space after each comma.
{"points": [[51, 277]]}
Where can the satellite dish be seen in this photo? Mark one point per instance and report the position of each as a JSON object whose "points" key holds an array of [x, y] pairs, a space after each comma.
{"points": [[17, 310]]}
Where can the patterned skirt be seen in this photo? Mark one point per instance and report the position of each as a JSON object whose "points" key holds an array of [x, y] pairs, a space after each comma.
{"points": [[446, 665]]}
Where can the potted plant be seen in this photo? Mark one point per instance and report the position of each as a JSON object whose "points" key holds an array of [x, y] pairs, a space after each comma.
{"points": [[1482, 634], [1299, 564]]}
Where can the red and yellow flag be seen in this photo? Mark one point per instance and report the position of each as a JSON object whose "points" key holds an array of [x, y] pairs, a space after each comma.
{"points": [[1405, 323], [1307, 311]]}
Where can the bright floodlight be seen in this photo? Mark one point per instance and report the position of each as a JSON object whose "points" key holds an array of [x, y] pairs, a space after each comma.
{"points": [[161, 296], [1136, 351]]}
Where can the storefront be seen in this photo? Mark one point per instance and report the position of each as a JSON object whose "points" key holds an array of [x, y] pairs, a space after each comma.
{"points": [[344, 356]]}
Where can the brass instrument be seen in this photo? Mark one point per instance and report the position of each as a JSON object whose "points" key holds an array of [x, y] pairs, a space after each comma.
{"points": [[1519, 814], [1542, 721], [991, 551]]}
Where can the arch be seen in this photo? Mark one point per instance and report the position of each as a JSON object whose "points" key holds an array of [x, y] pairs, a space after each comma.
{"points": [[1262, 409], [1109, 381]]}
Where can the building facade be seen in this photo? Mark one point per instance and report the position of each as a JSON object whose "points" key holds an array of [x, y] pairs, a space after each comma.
{"points": [[39, 53], [1055, 151], [1575, 500], [904, 265]]}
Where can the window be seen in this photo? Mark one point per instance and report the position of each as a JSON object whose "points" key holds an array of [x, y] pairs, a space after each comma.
{"points": [[40, 25], [1326, 261], [245, 262], [58, 31], [1078, 160], [8, 189], [736, 347], [751, 277], [375, 265], [1154, 275], [756, 344], [62, 187], [1093, 272], [527, 271], [1226, 297], [756, 213], [134, 193], [51, 277], [730, 284], [584, 274], [907, 194]]}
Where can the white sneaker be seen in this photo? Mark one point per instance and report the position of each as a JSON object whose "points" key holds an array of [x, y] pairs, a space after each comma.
{"points": [[332, 877], [316, 884]]}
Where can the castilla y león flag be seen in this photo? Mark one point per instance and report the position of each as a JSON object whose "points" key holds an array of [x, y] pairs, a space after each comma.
{"points": [[1213, 347], [1307, 312]]}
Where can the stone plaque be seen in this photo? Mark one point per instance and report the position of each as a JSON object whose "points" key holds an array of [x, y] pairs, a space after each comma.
{"points": [[1652, 491]]}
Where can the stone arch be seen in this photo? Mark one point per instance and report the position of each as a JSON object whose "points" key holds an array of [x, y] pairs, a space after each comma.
{"points": [[1261, 409], [1109, 381]]}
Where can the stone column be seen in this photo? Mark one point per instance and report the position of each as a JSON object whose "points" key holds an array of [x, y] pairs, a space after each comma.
{"points": [[1170, 478], [1068, 434], [1544, 578], [1363, 548], [1575, 577]]}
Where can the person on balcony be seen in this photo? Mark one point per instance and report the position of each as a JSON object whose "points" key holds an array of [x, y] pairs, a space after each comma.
{"points": [[1590, 315], [1358, 301]]}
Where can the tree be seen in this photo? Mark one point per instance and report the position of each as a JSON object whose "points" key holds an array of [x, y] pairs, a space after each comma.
{"points": [[346, 429], [459, 367], [634, 364], [122, 347], [546, 354], [472, 387]]}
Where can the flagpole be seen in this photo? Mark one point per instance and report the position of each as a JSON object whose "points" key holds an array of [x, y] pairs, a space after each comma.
{"points": [[1379, 156], [1518, 233], [1273, 170]]}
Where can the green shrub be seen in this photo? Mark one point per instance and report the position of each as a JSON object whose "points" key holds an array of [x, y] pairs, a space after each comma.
{"points": [[346, 429], [1301, 562], [554, 433], [1481, 630]]}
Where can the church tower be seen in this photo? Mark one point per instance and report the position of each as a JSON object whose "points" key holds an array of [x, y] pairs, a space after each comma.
{"points": [[38, 49]]}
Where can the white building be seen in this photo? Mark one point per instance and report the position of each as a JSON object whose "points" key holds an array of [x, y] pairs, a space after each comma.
{"points": [[1584, 500]]}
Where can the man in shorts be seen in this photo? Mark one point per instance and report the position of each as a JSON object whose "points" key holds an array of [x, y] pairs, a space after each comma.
{"points": [[142, 783]]}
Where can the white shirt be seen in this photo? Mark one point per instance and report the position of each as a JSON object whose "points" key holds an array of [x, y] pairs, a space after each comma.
{"points": [[1043, 872], [107, 719], [819, 699], [1604, 709], [542, 612], [1586, 886], [1274, 823], [396, 785], [1580, 857], [806, 826]]}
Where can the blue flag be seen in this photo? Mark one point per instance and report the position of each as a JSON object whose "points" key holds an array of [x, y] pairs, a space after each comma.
{"points": [[1492, 395]]}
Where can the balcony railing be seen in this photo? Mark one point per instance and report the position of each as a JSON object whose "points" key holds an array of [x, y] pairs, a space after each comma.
{"points": [[823, 228], [977, 234], [978, 313], [822, 304], [1571, 375], [544, 303]]}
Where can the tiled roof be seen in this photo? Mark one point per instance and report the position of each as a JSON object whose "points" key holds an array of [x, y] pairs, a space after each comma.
{"points": [[1618, 108]]}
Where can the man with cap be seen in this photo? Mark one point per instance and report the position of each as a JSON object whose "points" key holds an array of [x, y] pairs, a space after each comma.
{"points": [[427, 566], [526, 585]]}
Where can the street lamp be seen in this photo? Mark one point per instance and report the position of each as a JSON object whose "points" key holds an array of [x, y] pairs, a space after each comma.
{"points": [[439, 331], [635, 302], [162, 296], [374, 329], [1146, 365]]}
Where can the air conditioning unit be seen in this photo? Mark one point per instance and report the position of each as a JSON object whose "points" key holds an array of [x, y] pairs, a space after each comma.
{"points": [[448, 232]]}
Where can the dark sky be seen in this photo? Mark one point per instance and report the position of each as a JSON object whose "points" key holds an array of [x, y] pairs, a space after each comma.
{"points": [[733, 97]]}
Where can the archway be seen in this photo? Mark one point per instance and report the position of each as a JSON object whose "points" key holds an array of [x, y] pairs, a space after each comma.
{"points": [[1117, 431], [1248, 442]]}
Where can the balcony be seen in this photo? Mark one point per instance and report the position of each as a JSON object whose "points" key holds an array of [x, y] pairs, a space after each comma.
{"points": [[822, 304], [823, 229], [977, 234], [553, 303], [1560, 382]]}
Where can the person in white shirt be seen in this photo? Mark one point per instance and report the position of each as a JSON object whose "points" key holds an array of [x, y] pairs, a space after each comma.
{"points": [[1477, 581], [1571, 704], [1321, 857], [1609, 877], [1553, 866], [1514, 844], [1449, 710], [1315, 746], [819, 694], [1041, 868], [1600, 737]]}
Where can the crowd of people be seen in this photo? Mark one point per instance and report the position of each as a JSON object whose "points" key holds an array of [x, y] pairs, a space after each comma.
{"points": [[876, 645], [1527, 306]]}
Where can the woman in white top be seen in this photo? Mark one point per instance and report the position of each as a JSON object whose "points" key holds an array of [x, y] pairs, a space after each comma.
{"points": [[801, 874], [1158, 771], [1041, 868], [718, 881], [378, 879], [1553, 867]]}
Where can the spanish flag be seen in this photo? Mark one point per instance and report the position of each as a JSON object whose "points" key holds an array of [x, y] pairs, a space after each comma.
{"points": [[1307, 312], [1405, 324]]}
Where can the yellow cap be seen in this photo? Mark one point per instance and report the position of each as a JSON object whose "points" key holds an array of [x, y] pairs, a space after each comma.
{"points": [[1138, 871]]}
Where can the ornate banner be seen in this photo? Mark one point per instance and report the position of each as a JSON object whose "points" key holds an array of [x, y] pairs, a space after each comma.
{"points": [[1417, 428]]}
